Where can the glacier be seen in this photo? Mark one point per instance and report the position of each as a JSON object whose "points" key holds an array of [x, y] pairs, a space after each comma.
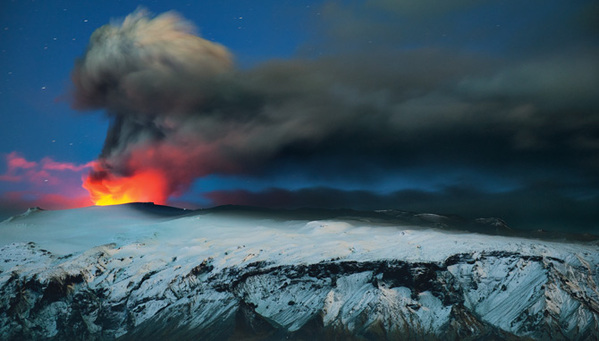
{"points": [[138, 271]]}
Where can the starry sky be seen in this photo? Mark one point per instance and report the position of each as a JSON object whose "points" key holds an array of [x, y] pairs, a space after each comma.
{"points": [[476, 108]]}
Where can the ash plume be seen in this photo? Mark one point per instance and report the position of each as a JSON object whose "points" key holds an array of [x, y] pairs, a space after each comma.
{"points": [[179, 107]]}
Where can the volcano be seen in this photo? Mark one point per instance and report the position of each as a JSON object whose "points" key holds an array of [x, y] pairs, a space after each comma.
{"points": [[147, 271]]}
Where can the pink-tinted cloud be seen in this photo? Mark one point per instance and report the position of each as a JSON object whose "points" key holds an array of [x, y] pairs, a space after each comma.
{"points": [[19, 169], [16, 164], [46, 183], [49, 164], [9, 178], [16, 161]]}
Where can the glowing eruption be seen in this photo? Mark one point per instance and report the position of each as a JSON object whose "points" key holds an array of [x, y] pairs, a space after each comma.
{"points": [[179, 110], [109, 189], [151, 74]]}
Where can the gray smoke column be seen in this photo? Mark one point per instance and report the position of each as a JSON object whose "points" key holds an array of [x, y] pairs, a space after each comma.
{"points": [[179, 111], [146, 66], [146, 72]]}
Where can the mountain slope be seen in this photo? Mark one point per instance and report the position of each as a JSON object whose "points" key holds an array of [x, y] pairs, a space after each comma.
{"points": [[124, 273]]}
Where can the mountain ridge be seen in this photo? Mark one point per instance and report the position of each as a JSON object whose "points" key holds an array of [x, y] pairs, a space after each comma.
{"points": [[451, 222], [228, 276]]}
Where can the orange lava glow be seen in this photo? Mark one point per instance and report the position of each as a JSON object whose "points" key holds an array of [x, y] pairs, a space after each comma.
{"points": [[143, 186]]}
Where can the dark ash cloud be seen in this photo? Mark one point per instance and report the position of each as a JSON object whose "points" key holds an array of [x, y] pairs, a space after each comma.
{"points": [[178, 105]]}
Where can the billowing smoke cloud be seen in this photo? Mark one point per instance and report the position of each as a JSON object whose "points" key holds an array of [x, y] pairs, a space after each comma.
{"points": [[180, 111], [147, 66], [150, 75]]}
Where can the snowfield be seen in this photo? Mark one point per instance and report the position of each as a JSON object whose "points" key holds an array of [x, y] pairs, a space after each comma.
{"points": [[139, 270]]}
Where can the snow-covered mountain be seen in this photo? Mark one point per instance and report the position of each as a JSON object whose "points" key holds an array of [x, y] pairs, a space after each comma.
{"points": [[141, 271]]}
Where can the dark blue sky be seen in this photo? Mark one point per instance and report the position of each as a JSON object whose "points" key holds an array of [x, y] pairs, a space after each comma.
{"points": [[469, 107]]}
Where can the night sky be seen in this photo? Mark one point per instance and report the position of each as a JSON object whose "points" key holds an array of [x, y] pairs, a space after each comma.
{"points": [[476, 108]]}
